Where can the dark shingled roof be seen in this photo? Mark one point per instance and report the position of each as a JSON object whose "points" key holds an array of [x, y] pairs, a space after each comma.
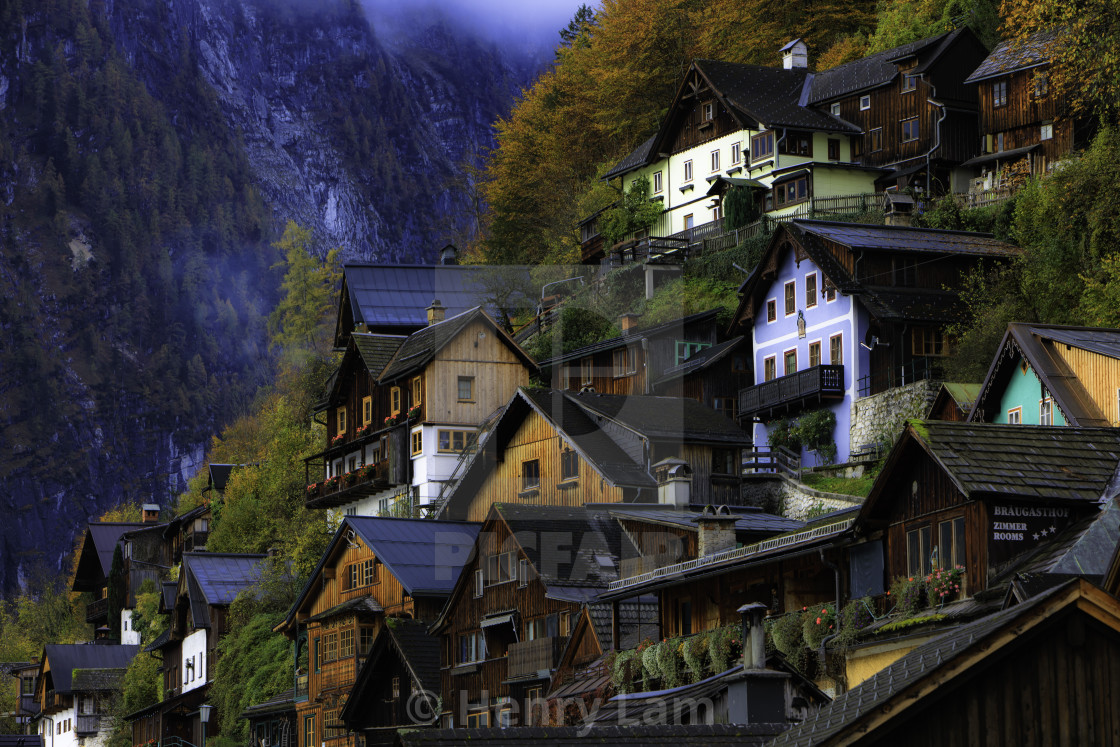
{"points": [[365, 605], [419, 652], [589, 555], [684, 735], [873, 70], [748, 519], [219, 475], [97, 680], [908, 239], [376, 350], [636, 622], [425, 556], [665, 418], [282, 701], [635, 159], [21, 740], [65, 658], [1009, 56], [700, 361], [893, 684], [161, 640], [1037, 343], [105, 536]]}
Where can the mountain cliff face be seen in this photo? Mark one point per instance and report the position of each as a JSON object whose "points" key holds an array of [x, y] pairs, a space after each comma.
{"points": [[150, 152]]}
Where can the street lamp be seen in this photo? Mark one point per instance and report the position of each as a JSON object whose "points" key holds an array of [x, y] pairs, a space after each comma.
{"points": [[204, 717]]}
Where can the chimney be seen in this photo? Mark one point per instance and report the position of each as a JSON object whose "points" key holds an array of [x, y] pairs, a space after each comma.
{"points": [[150, 513], [795, 54], [716, 530], [674, 482], [436, 312], [754, 635], [628, 322], [449, 255], [899, 208]]}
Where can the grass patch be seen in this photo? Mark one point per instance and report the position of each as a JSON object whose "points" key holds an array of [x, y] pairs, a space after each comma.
{"points": [[858, 486], [910, 622]]}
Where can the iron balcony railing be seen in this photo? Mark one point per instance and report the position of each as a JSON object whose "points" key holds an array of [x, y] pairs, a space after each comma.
{"points": [[820, 382], [917, 369], [747, 551]]}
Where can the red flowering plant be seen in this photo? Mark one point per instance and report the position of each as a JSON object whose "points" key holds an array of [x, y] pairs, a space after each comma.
{"points": [[944, 584], [414, 412], [338, 439], [391, 420], [819, 622], [332, 482]]}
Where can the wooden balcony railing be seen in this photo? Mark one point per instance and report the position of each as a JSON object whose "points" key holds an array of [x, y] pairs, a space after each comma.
{"points": [[88, 724], [532, 658], [792, 391], [349, 487], [97, 610]]}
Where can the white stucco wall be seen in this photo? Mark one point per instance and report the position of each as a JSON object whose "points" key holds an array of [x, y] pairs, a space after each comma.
{"points": [[129, 637], [194, 650]]}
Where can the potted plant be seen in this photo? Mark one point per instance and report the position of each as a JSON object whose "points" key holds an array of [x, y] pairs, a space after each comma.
{"points": [[414, 412]]}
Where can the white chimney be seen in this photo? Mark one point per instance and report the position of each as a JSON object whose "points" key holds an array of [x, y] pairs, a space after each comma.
{"points": [[674, 482], [795, 54]]}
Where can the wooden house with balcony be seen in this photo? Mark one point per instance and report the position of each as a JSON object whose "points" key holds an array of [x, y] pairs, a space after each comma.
{"points": [[75, 687], [510, 615], [272, 723], [840, 311], [1048, 374], [198, 606], [1025, 127], [554, 448], [374, 569], [916, 116], [401, 411], [27, 707]]}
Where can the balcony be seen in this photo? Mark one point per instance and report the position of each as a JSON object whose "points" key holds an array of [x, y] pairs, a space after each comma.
{"points": [[792, 392], [97, 611], [300, 693], [347, 488], [88, 724], [389, 470], [533, 659]]}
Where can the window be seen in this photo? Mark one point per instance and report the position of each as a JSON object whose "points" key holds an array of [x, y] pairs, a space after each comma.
{"points": [[790, 357], [771, 310], [929, 341], [709, 111], [536, 628], [792, 191], [689, 221], [833, 149], [864, 103], [814, 354], [565, 623], [330, 646], [798, 144], [950, 544], [717, 212], [472, 647], [658, 183], [585, 370], [478, 720], [836, 350], [530, 474], [909, 130], [27, 686], [362, 573], [523, 573], [318, 654], [684, 617], [466, 388], [569, 465], [854, 144], [395, 400], [688, 171], [876, 139], [365, 641], [346, 643], [909, 83], [791, 297], [835, 109], [762, 146], [769, 368], [395, 688], [724, 461], [715, 161], [501, 568], [367, 410], [1046, 412], [621, 358], [686, 350], [479, 582], [810, 290], [452, 441], [999, 93], [918, 551], [736, 154], [1015, 416], [415, 391], [1046, 131], [340, 421], [417, 442], [1040, 86]]}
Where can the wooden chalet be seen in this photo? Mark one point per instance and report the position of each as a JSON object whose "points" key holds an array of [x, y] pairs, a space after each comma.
{"points": [[954, 401], [198, 604], [712, 376], [397, 685], [839, 311], [95, 565], [555, 448], [401, 411], [1021, 119], [1052, 375], [27, 707], [1040, 672], [75, 687], [916, 116], [373, 569], [272, 723], [510, 615]]}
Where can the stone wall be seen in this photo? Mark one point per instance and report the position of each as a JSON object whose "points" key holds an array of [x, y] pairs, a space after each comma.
{"points": [[783, 495], [881, 416]]}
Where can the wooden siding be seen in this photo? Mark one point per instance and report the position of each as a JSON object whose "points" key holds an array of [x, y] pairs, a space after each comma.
{"points": [[1098, 374], [478, 352], [1020, 119], [691, 128], [975, 538], [465, 615], [537, 439]]}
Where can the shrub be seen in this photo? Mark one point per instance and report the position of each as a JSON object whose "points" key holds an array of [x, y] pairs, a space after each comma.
{"points": [[724, 646], [817, 625], [670, 662], [854, 617], [788, 637], [909, 595], [696, 656], [784, 433], [650, 669], [815, 430], [943, 584]]}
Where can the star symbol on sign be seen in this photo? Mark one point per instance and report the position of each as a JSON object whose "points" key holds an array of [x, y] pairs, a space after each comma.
{"points": [[1053, 529], [1042, 533], [1036, 535]]}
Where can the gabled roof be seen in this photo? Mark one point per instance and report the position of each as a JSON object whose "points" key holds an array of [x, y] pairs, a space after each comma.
{"points": [[674, 325], [376, 350], [1037, 343], [942, 662], [1083, 549], [1030, 463], [420, 347], [700, 361], [664, 418], [418, 651], [96, 558], [220, 577], [1011, 55], [636, 158], [219, 475], [279, 703], [877, 69], [748, 519], [64, 659]]}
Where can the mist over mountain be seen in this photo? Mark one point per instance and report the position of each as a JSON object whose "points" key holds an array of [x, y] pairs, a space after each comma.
{"points": [[150, 153]]}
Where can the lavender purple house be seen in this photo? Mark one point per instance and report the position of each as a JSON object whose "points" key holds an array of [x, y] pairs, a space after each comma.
{"points": [[840, 311]]}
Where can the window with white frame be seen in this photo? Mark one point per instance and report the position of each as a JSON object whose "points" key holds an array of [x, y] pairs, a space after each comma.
{"points": [[1047, 131], [1046, 411], [1015, 416], [736, 154], [864, 103], [658, 183], [836, 110], [688, 171], [709, 111], [715, 161]]}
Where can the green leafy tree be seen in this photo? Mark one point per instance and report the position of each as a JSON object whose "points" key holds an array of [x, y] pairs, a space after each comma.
{"points": [[636, 212], [302, 318]]}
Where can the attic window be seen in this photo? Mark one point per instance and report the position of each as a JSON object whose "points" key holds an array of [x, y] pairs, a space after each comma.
{"points": [[864, 103], [836, 110], [709, 111], [909, 83]]}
